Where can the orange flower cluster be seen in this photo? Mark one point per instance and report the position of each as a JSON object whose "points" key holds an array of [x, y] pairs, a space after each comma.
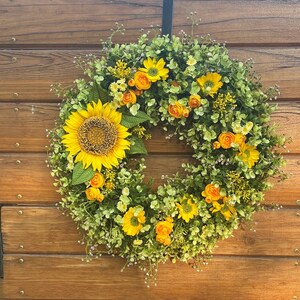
{"points": [[212, 195], [226, 139], [177, 110], [163, 230], [93, 192]]}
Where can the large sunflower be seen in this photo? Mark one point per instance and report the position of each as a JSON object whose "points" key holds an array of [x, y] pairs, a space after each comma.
{"points": [[95, 136]]}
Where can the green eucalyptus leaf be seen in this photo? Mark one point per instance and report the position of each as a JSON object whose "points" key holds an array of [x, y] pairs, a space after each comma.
{"points": [[80, 174]]}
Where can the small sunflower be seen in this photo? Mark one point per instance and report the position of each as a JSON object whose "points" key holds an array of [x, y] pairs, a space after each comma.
{"points": [[248, 154], [133, 220], [155, 70], [96, 137], [210, 83], [187, 209]]}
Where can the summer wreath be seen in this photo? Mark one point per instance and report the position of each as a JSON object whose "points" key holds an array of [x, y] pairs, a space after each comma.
{"points": [[195, 92]]}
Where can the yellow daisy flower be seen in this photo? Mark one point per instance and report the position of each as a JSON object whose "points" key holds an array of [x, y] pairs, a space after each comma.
{"points": [[248, 154], [133, 220], [210, 83], [96, 137], [155, 70], [187, 209]]}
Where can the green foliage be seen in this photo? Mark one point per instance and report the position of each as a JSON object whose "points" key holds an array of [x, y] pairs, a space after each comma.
{"points": [[130, 121], [81, 175]]}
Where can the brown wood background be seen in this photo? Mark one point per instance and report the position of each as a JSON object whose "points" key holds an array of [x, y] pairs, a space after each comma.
{"points": [[42, 258]]}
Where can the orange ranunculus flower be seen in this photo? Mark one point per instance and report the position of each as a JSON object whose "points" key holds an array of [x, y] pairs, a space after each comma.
{"points": [[92, 193], [211, 193], [163, 230], [129, 97], [194, 101], [141, 81], [97, 181], [216, 145], [185, 112], [226, 139], [176, 110], [239, 139]]}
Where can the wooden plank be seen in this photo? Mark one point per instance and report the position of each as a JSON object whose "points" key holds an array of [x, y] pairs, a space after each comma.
{"points": [[67, 277], [62, 22], [31, 178], [44, 230], [26, 125], [29, 73], [238, 21]]}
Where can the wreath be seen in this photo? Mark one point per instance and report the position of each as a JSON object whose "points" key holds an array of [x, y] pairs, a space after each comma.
{"points": [[190, 88]]}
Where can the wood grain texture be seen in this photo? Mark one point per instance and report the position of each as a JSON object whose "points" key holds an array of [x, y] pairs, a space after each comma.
{"points": [[46, 231], [67, 277], [31, 178], [64, 22], [26, 124], [239, 21], [29, 73]]}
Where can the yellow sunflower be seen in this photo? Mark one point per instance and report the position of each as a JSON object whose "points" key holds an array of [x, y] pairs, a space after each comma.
{"points": [[210, 83], [248, 154], [96, 137], [133, 220], [155, 70], [187, 209]]}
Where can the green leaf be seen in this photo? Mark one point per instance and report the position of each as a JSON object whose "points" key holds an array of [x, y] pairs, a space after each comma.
{"points": [[137, 146], [130, 121], [98, 92], [81, 175]]}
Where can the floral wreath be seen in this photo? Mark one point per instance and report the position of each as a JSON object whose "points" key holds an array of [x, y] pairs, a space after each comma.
{"points": [[191, 89]]}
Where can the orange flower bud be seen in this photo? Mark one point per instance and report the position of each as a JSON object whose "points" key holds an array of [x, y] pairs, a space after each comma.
{"points": [[194, 101], [226, 139], [131, 82], [185, 112], [100, 197], [216, 145], [175, 83], [138, 92]]}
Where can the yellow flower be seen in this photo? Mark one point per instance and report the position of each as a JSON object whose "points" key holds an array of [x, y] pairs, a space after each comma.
{"points": [[155, 70], [141, 81], [176, 110], [92, 193], [120, 70], [248, 154], [133, 220], [96, 137], [211, 193], [210, 83], [226, 139], [97, 181], [239, 139], [100, 197], [187, 209], [163, 230]]}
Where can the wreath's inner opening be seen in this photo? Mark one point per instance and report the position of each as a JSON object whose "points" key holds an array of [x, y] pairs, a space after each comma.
{"points": [[165, 156]]}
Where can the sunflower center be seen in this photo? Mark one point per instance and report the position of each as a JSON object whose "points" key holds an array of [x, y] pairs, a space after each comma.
{"points": [[134, 221], [186, 208], [97, 135], [208, 84], [153, 71]]}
